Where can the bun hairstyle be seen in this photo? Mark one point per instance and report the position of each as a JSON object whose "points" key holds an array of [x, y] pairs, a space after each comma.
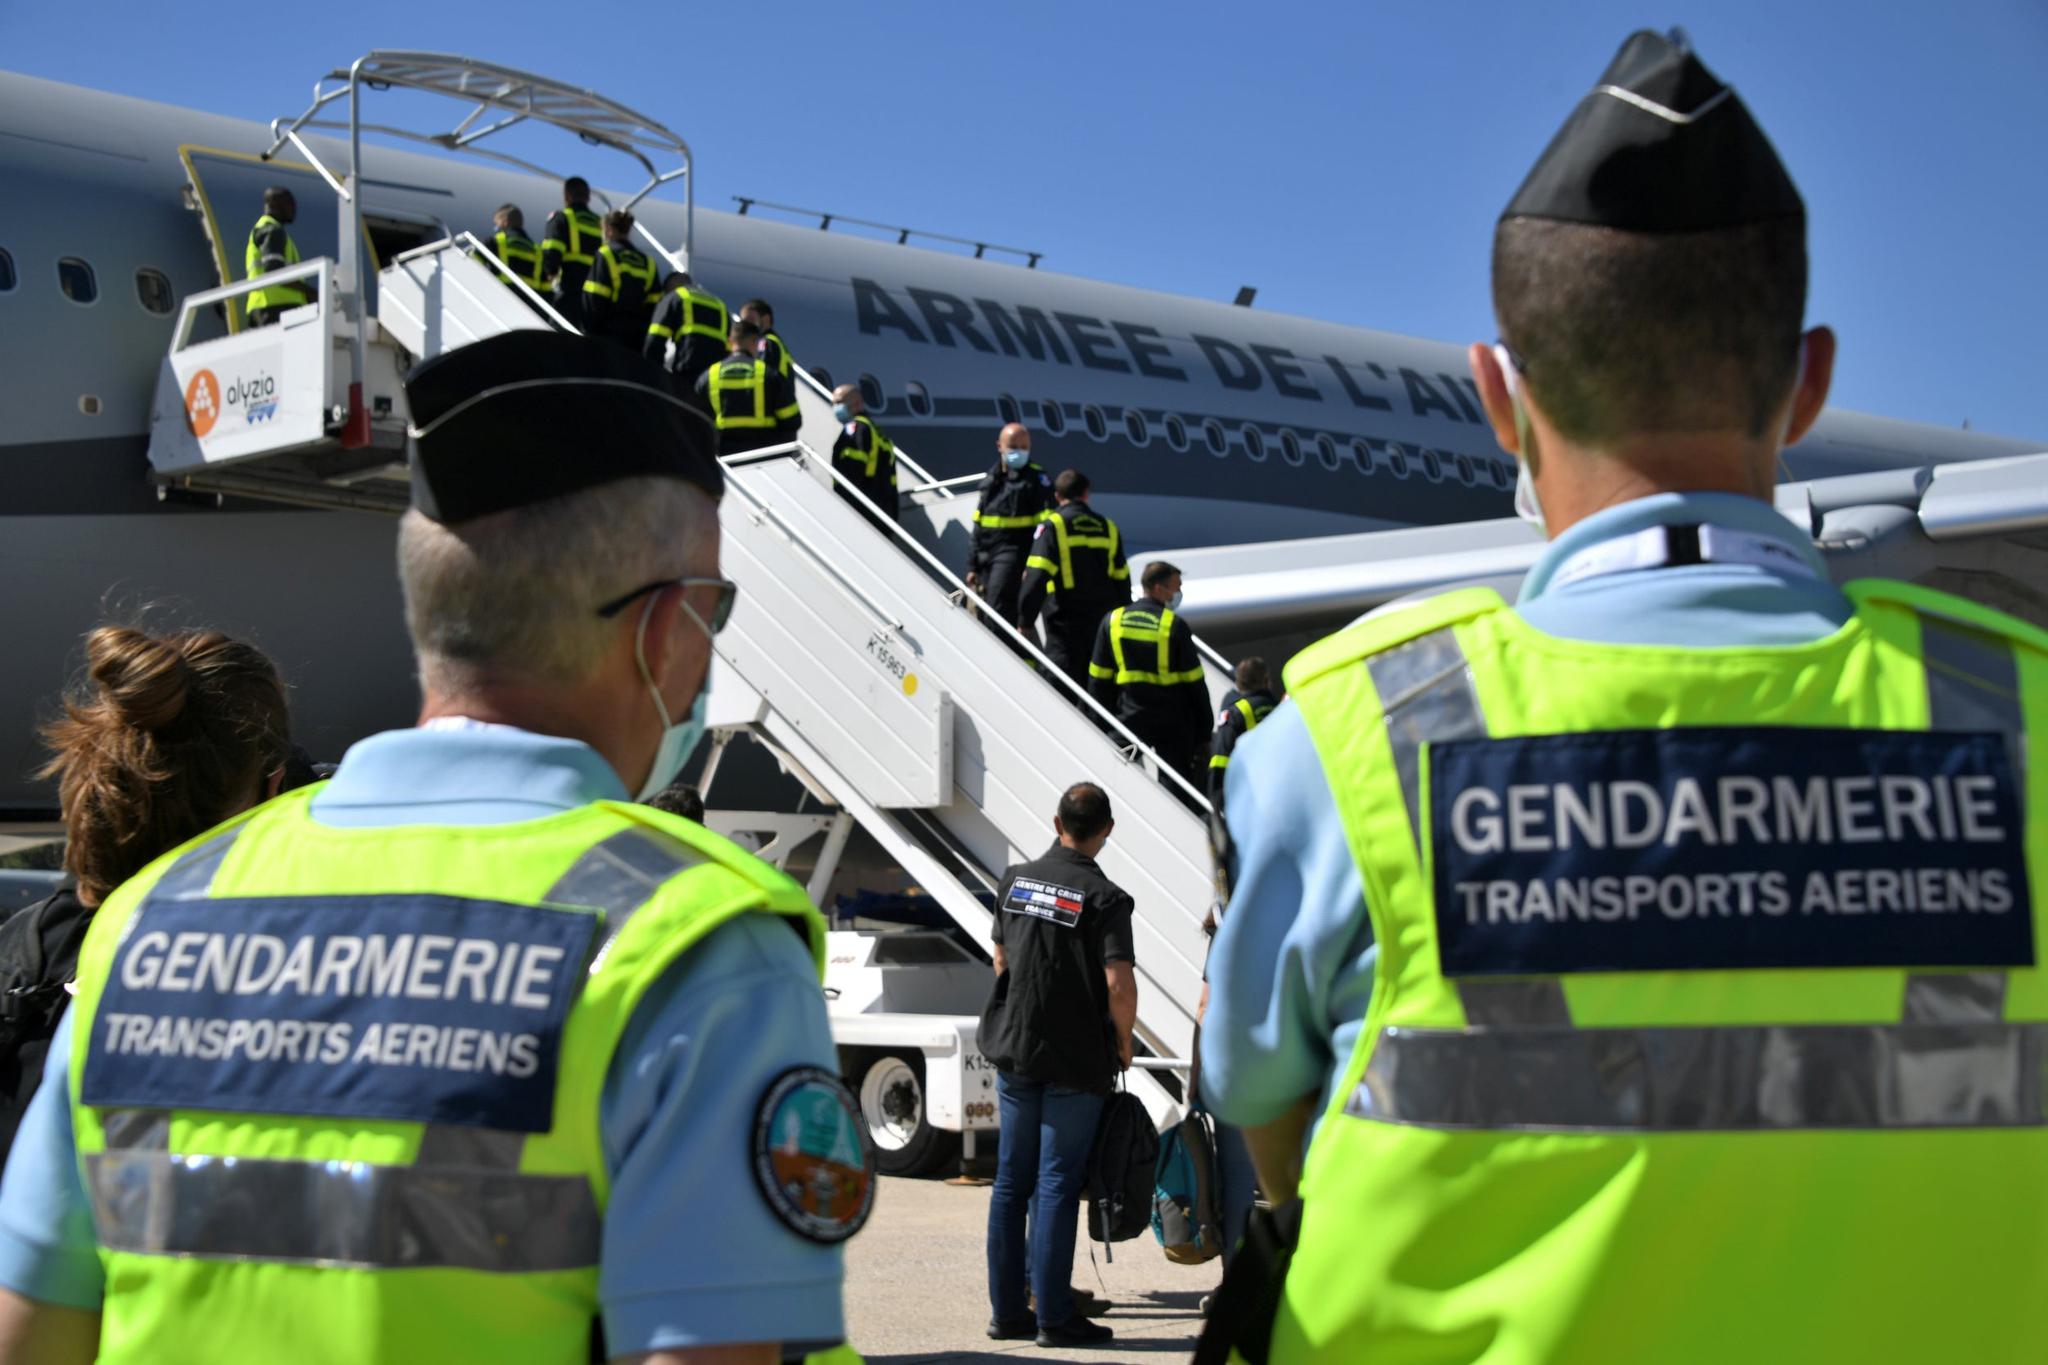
{"points": [[164, 737]]}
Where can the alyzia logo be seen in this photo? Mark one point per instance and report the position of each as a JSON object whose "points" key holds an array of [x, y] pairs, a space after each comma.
{"points": [[257, 397]]}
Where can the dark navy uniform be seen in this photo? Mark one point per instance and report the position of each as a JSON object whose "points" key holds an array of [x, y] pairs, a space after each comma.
{"points": [[1145, 671], [1076, 572], [1006, 516], [569, 244], [866, 458], [1059, 922], [618, 298], [1241, 714]]}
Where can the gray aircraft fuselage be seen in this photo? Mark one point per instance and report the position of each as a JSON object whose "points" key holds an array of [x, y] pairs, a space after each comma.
{"points": [[1199, 422]]}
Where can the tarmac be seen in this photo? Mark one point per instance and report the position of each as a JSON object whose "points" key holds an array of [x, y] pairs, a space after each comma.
{"points": [[917, 1286]]}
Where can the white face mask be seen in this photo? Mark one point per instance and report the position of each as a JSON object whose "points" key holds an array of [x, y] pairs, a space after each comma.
{"points": [[1526, 505], [1016, 459], [1173, 602], [678, 740]]}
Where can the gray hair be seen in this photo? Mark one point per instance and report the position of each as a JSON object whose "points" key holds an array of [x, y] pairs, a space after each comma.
{"points": [[515, 594]]}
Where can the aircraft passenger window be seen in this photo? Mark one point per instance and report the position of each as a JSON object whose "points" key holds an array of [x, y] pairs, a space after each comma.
{"points": [[920, 398], [871, 393], [1052, 417], [1362, 453], [1466, 475], [1326, 451], [1007, 410], [76, 279], [1501, 477], [1176, 431], [1432, 466], [824, 378], [1135, 429], [1212, 432], [1254, 441], [153, 288], [1397, 460], [6, 273], [1098, 425], [1290, 447]]}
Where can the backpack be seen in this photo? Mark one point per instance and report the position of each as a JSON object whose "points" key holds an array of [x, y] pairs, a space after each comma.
{"points": [[1120, 1170], [1186, 1217]]}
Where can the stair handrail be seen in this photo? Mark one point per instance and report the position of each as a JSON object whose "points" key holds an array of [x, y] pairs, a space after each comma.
{"points": [[958, 593], [476, 244]]}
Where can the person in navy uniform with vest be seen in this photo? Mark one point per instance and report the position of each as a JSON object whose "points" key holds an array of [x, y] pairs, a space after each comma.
{"points": [[1146, 673], [1014, 497], [569, 245], [1075, 573], [1243, 708]]}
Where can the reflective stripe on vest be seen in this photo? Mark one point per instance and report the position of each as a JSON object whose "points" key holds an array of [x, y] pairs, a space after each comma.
{"points": [[867, 460], [1251, 715], [704, 315], [620, 271], [1159, 633], [518, 255], [463, 1203], [582, 223], [789, 411], [1062, 573], [291, 294], [737, 375]]}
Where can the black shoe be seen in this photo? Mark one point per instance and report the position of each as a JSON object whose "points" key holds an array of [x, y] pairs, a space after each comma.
{"points": [[1089, 1305], [1075, 1331], [1017, 1329]]}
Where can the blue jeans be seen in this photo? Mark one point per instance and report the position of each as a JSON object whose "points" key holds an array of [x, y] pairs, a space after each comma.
{"points": [[1047, 1134], [1239, 1181]]}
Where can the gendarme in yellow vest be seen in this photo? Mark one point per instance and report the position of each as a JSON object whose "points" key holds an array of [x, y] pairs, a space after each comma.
{"points": [[1668, 1060], [450, 1207]]}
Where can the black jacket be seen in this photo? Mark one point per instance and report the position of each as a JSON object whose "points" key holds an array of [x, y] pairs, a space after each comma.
{"points": [[1016, 497], [1059, 922], [38, 955]]}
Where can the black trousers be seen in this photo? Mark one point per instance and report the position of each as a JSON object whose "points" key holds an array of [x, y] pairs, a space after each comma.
{"points": [[1070, 643], [1002, 579]]}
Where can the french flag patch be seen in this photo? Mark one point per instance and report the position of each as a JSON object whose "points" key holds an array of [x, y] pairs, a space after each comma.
{"points": [[1060, 904]]}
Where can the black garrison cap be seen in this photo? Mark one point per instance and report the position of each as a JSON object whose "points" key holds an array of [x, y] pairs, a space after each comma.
{"points": [[530, 415], [1660, 145]]}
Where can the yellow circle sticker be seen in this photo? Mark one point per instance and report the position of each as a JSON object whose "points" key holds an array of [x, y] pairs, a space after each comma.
{"points": [[910, 684]]}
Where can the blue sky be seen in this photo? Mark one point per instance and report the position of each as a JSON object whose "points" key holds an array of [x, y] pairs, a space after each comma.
{"points": [[1348, 159]]}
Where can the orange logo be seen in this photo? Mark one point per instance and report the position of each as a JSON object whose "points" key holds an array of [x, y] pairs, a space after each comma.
{"points": [[202, 402]]}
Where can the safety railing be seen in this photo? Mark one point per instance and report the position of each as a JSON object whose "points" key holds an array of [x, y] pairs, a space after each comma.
{"points": [[315, 269], [472, 242], [960, 594]]}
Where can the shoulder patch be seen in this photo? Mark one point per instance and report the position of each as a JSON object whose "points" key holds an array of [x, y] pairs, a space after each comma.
{"points": [[811, 1157]]}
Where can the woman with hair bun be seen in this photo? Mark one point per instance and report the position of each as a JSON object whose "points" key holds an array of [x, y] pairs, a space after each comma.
{"points": [[164, 737]]}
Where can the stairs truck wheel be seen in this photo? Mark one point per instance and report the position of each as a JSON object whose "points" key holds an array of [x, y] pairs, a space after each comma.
{"points": [[892, 1102]]}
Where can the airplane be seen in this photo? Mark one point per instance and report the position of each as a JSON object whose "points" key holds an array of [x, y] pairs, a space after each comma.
{"points": [[1201, 423]]}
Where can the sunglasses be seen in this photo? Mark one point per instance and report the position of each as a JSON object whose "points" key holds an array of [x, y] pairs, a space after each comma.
{"points": [[728, 592]]}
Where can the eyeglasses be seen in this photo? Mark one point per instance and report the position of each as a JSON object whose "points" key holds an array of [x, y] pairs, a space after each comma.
{"points": [[728, 592]]}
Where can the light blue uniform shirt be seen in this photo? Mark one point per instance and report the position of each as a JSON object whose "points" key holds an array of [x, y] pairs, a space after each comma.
{"points": [[691, 1254], [1291, 972]]}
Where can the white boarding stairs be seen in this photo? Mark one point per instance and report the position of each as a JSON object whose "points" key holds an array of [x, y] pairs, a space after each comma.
{"points": [[853, 654], [274, 412], [859, 660]]}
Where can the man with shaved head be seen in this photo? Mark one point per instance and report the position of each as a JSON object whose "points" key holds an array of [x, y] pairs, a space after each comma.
{"points": [[1014, 499], [862, 456]]}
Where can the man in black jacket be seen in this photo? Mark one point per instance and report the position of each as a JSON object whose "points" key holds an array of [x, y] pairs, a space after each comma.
{"points": [[1146, 673], [1058, 1030], [1014, 498]]}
